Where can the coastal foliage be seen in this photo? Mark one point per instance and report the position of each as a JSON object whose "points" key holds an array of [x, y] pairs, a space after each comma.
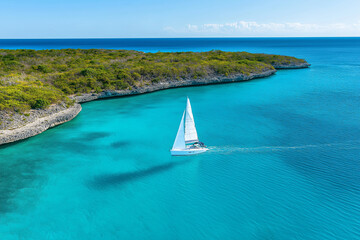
{"points": [[18, 96], [31, 79]]}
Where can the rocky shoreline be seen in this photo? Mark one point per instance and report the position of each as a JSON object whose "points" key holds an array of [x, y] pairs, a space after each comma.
{"points": [[291, 66], [39, 125], [170, 84], [21, 127]]}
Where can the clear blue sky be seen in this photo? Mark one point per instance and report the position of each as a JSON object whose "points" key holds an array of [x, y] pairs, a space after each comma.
{"points": [[181, 18]]}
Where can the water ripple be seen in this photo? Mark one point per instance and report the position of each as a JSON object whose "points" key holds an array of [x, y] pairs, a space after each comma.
{"points": [[231, 149]]}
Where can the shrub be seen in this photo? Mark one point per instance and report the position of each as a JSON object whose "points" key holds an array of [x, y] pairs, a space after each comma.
{"points": [[40, 104]]}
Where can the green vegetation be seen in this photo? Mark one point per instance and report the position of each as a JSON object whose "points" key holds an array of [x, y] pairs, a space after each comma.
{"points": [[32, 79]]}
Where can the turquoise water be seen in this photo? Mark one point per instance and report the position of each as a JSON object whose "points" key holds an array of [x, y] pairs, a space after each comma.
{"points": [[284, 160]]}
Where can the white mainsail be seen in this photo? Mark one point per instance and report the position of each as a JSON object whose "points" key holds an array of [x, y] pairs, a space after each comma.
{"points": [[190, 130], [180, 138], [187, 135]]}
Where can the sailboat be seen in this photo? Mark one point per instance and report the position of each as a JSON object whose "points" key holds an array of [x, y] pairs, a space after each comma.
{"points": [[187, 141]]}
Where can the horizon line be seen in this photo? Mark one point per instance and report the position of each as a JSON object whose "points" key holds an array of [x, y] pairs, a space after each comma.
{"points": [[169, 37]]}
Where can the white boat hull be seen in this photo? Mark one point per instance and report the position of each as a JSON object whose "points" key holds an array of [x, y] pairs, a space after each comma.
{"points": [[184, 152]]}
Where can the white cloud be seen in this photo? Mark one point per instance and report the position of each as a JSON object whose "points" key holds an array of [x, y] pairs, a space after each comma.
{"points": [[193, 28], [292, 28], [169, 29]]}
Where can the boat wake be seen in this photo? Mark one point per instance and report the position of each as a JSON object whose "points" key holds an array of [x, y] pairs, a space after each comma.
{"points": [[232, 149]]}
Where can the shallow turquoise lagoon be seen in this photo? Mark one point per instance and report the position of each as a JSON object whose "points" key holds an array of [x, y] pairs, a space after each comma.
{"points": [[284, 160]]}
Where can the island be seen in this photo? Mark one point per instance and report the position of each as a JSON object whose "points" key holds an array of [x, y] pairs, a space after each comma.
{"points": [[40, 89]]}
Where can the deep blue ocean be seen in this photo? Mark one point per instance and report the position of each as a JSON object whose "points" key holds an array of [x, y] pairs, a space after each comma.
{"points": [[284, 160]]}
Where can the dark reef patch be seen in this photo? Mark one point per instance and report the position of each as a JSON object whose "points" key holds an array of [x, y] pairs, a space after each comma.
{"points": [[93, 136], [116, 179], [120, 144]]}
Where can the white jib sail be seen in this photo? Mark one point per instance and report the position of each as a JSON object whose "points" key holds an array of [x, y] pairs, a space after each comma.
{"points": [[190, 130], [180, 138]]}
